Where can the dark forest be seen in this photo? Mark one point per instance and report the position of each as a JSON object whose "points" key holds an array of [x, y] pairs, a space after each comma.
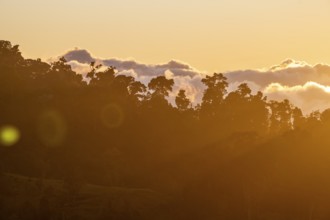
{"points": [[105, 146]]}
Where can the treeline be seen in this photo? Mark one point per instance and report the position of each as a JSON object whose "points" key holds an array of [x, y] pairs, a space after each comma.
{"points": [[236, 155]]}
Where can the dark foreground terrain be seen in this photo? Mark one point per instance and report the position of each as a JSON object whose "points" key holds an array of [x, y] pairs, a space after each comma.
{"points": [[32, 198], [105, 146]]}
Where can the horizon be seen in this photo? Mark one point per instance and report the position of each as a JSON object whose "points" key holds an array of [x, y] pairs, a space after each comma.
{"points": [[213, 36], [306, 85]]}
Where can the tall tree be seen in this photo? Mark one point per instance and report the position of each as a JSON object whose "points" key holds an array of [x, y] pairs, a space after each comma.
{"points": [[214, 93], [161, 86], [281, 116], [181, 101]]}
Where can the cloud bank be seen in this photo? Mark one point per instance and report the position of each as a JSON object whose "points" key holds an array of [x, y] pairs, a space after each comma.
{"points": [[306, 86], [309, 97], [185, 76]]}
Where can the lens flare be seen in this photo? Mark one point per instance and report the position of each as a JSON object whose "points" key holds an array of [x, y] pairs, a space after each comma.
{"points": [[52, 128], [9, 135]]}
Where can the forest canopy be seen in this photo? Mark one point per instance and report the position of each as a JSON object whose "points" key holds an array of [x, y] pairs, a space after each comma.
{"points": [[236, 155]]}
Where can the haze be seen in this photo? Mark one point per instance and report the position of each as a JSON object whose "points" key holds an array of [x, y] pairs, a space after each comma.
{"points": [[210, 35]]}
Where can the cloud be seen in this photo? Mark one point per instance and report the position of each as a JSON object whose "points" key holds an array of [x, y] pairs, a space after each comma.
{"points": [[78, 67], [176, 67], [310, 97], [288, 73], [79, 55], [289, 63], [306, 86]]}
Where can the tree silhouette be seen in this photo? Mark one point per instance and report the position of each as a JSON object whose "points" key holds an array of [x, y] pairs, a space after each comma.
{"points": [[10, 56], [242, 102], [216, 89], [214, 93], [182, 102], [281, 116], [235, 155], [161, 86], [101, 78]]}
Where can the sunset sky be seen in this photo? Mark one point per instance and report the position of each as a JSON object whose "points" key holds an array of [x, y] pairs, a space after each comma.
{"points": [[211, 35]]}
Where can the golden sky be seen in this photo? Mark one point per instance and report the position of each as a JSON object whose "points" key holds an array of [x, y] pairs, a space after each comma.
{"points": [[211, 35]]}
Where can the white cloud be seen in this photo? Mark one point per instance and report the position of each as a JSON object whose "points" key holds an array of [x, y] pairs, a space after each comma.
{"points": [[288, 73], [78, 67], [309, 97], [176, 67], [306, 86]]}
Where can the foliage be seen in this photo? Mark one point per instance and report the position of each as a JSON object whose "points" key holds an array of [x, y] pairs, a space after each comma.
{"points": [[236, 155]]}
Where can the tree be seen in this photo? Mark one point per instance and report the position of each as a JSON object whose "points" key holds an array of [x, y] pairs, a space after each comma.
{"points": [[298, 118], [101, 78], [214, 94], [281, 116], [161, 86], [61, 77], [9, 55], [216, 89], [245, 111], [259, 113], [181, 101], [11, 63], [137, 90]]}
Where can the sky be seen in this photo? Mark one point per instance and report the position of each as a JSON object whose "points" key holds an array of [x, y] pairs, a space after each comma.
{"points": [[281, 47], [211, 35]]}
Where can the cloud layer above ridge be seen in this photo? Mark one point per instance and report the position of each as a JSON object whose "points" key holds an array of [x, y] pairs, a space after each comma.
{"points": [[306, 86]]}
